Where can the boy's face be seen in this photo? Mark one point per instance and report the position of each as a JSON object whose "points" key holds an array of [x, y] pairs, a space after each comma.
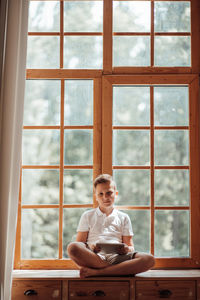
{"points": [[105, 195]]}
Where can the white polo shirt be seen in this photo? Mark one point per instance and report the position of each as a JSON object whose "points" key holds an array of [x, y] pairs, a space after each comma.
{"points": [[104, 228]]}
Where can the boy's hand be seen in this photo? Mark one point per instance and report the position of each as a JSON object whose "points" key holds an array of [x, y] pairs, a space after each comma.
{"points": [[124, 249], [95, 248]]}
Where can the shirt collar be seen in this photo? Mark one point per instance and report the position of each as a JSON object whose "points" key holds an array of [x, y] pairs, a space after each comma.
{"points": [[100, 213]]}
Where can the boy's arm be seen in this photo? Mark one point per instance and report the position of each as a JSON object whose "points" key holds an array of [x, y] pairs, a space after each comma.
{"points": [[128, 240], [82, 236]]}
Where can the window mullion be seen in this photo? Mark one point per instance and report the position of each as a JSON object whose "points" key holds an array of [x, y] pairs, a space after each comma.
{"points": [[152, 165], [61, 32], [107, 126], [107, 36], [61, 169]]}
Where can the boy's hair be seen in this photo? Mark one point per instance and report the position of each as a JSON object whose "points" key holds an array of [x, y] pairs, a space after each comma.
{"points": [[104, 178]]}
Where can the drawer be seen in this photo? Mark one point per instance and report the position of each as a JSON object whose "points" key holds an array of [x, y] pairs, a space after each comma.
{"points": [[36, 289], [178, 289], [106, 290]]}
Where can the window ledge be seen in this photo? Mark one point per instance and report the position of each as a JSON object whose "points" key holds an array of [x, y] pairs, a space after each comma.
{"points": [[65, 274]]}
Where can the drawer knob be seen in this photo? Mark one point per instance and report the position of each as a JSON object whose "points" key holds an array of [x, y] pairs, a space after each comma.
{"points": [[165, 293], [30, 293], [99, 293]]}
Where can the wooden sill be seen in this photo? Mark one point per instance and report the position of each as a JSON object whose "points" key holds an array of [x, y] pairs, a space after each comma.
{"points": [[65, 274]]}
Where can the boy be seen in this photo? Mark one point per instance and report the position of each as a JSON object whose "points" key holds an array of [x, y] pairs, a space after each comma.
{"points": [[105, 224]]}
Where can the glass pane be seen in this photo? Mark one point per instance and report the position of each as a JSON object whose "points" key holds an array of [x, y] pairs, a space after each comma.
{"points": [[140, 220], [131, 105], [70, 223], [40, 186], [133, 187], [78, 186], [42, 102], [172, 233], [173, 51], [172, 187], [43, 52], [88, 13], [83, 52], [39, 233], [78, 102], [131, 50], [44, 16], [171, 147], [171, 107], [78, 147], [41, 147], [131, 16], [172, 16], [131, 147]]}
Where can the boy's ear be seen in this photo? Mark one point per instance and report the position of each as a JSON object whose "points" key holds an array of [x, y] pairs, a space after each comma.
{"points": [[116, 193]]}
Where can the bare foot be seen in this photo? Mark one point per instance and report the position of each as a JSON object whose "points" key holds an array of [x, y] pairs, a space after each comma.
{"points": [[87, 272]]}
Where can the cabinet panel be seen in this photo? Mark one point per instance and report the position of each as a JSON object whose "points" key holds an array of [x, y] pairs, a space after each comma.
{"points": [[92, 290], [178, 289], [198, 290], [37, 289]]}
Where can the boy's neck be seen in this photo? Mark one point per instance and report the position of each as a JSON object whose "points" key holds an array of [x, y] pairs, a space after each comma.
{"points": [[106, 211]]}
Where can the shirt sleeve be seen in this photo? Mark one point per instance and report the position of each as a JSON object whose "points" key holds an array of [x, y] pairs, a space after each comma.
{"points": [[127, 228], [83, 223]]}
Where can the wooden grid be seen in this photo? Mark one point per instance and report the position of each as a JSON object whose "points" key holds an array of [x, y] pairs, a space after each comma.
{"points": [[107, 130], [102, 126]]}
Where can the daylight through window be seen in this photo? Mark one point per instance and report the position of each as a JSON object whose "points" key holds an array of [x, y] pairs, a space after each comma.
{"points": [[112, 87]]}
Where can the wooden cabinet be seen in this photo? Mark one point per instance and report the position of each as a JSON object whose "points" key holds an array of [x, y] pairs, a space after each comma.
{"points": [[108, 290], [177, 289], [66, 285], [37, 289]]}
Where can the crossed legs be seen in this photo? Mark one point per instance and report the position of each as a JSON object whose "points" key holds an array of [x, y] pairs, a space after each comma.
{"points": [[91, 264]]}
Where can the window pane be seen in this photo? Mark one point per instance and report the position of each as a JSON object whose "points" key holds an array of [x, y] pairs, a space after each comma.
{"points": [[70, 223], [171, 147], [131, 147], [78, 102], [172, 233], [83, 52], [133, 187], [41, 147], [78, 186], [44, 16], [40, 186], [131, 16], [172, 16], [43, 52], [140, 220], [88, 13], [131, 105], [172, 187], [171, 106], [42, 102], [78, 147], [39, 233], [172, 51], [131, 50]]}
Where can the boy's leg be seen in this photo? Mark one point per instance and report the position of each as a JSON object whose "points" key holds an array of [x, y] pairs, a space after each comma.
{"points": [[84, 257], [141, 263]]}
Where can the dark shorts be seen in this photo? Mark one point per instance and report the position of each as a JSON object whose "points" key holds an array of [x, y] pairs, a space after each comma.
{"points": [[113, 258]]}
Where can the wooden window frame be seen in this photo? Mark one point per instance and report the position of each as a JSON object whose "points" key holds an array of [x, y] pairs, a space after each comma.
{"points": [[103, 81], [107, 129], [61, 263]]}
